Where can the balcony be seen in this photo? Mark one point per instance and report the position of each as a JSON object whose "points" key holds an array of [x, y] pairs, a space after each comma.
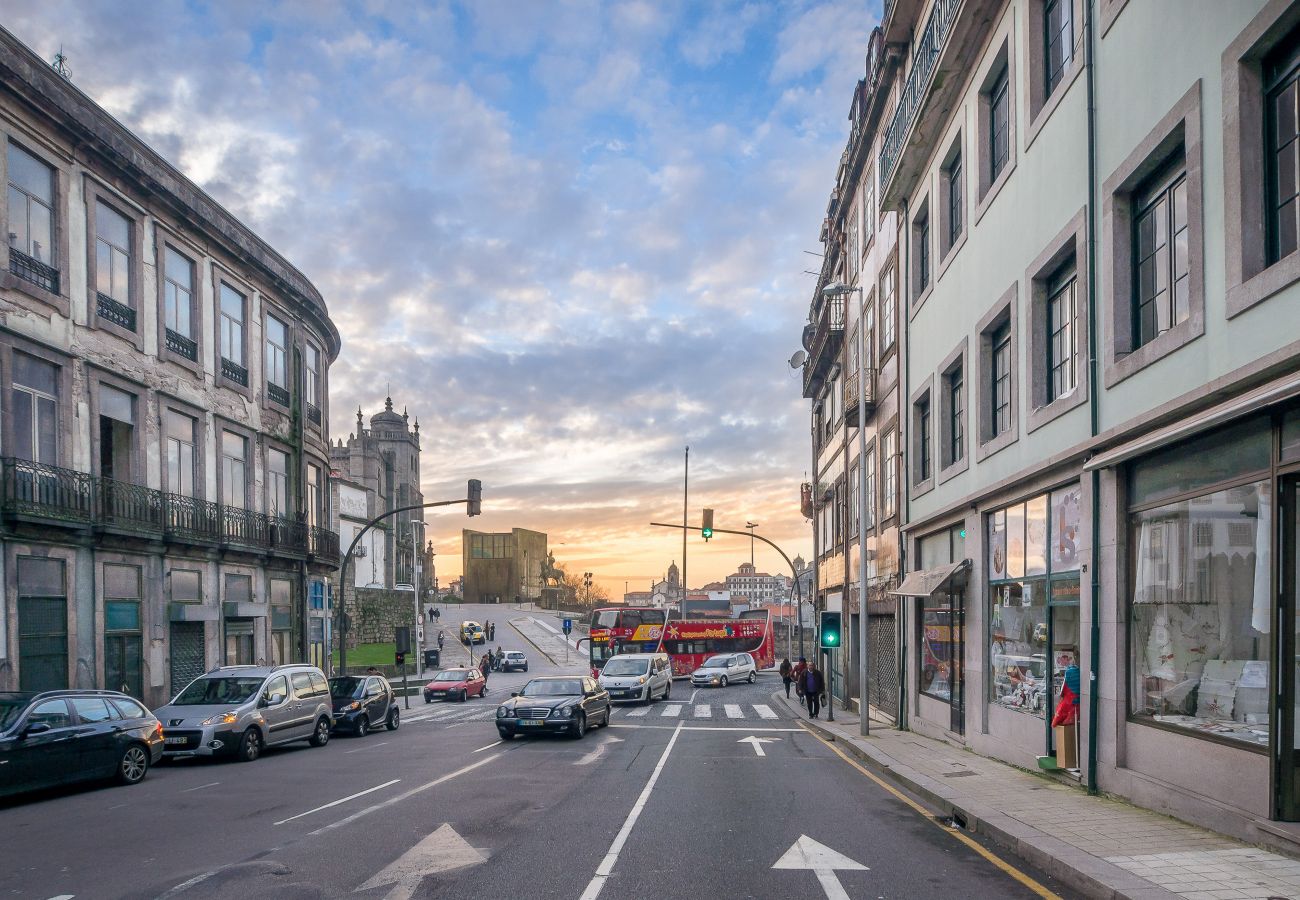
{"points": [[44, 495], [313, 414], [823, 339], [111, 310], [182, 346], [851, 397], [31, 269], [277, 394], [233, 371]]}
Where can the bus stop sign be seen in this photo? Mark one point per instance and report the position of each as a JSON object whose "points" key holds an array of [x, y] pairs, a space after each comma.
{"points": [[567, 626]]}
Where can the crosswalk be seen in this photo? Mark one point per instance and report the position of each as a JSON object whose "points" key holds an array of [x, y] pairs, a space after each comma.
{"points": [[696, 711], [451, 713]]}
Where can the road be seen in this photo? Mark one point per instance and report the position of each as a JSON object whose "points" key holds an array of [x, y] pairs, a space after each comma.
{"points": [[716, 793]]}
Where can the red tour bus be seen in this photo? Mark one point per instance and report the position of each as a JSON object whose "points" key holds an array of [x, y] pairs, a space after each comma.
{"points": [[688, 642]]}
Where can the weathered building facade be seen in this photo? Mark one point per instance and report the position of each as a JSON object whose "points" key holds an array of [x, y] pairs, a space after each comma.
{"points": [[163, 413], [504, 566]]}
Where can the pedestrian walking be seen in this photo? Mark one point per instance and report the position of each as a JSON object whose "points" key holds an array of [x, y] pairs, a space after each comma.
{"points": [[440, 638], [492, 632], [485, 665], [787, 675], [814, 683], [797, 674]]}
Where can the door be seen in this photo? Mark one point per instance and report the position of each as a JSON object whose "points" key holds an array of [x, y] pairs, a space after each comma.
{"points": [[98, 736], [303, 703], [1287, 740], [376, 701], [278, 712], [239, 642], [187, 656], [48, 757], [122, 671]]}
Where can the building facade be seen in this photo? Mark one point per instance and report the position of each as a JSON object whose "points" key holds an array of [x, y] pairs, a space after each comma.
{"points": [[759, 588], [1098, 296], [163, 414], [502, 567]]}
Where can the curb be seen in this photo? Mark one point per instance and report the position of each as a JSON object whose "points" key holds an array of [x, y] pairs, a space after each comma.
{"points": [[533, 643]]}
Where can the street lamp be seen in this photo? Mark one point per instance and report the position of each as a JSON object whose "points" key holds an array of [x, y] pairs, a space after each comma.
{"points": [[416, 525], [751, 526], [832, 290]]}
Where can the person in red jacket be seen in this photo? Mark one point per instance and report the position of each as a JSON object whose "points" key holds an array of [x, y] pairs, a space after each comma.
{"points": [[814, 684]]}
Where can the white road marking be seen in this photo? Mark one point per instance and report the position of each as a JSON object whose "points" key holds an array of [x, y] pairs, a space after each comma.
{"points": [[598, 752], [672, 709], [739, 729], [405, 795], [806, 853], [764, 711], [693, 693], [370, 746], [185, 885], [489, 746], [639, 711], [607, 864], [733, 711], [441, 851], [343, 800], [549, 628], [201, 787], [63, 897], [703, 711], [757, 743]]}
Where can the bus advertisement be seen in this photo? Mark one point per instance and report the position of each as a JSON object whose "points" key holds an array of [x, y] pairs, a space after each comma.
{"points": [[688, 642]]}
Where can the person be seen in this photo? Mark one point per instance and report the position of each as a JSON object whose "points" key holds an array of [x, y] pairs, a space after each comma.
{"points": [[492, 632], [787, 675], [440, 638], [498, 658], [372, 671], [797, 675], [484, 665], [813, 685]]}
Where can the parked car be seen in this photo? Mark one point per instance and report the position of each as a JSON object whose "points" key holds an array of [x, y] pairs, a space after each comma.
{"points": [[472, 633], [721, 670], [362, 703], [514, 661], [558, 704], [455, 684], [638, 676], [50, 738], [242, 710]]}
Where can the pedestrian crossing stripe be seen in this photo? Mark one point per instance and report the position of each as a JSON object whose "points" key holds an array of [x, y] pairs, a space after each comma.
{"points": [[703, 711], [733, 711], [672, 709], [764, 711], [641, 711]]}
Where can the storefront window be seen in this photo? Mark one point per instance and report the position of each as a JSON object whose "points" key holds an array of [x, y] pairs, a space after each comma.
{"points": [[941, 647], [1034, 593], [1201, 613]]}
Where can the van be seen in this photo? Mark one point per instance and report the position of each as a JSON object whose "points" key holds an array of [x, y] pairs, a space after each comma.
{"points": [[638, 676], [472, 633]]}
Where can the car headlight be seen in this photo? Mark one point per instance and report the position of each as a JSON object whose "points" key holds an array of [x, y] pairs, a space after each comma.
{"points": [[642, 680], [502, 712], [221, 719]]}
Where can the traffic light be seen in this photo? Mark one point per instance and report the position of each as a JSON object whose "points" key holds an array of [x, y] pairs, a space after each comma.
{"points": [[831, 630], [707, 529], [474, 506], [399, 659]]}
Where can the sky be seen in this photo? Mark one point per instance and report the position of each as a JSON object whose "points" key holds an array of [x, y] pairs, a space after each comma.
{"points": [[570, 238]]}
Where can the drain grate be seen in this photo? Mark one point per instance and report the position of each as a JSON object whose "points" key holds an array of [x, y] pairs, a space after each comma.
{"points": [[959, 774]]}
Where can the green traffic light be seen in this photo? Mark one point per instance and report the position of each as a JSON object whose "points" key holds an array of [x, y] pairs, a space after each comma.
{"points": [[707, 532]]}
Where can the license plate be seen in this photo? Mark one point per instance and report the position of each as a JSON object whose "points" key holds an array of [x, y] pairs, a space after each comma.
{"points": [[177, 740], [532, 721]]}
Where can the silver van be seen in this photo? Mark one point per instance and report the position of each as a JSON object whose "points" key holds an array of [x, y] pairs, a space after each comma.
{"points": [[638, 676], [241, 710]]}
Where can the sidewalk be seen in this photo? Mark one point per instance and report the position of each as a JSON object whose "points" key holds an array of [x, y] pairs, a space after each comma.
{"points": [[1097, 846]]}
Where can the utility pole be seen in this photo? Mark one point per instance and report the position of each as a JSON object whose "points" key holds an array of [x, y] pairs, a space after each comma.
{"points": [[686, 496], [751, 526]]}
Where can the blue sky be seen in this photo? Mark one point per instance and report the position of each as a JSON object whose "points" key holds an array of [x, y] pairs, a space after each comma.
{"points": [[569, 234]]}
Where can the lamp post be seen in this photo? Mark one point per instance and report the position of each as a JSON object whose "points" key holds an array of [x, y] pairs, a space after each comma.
{"points": [[839, 289], [751, 526], [416, 525]]}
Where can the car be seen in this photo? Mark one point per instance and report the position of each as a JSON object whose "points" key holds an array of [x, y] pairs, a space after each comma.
{"points": [[559, 704], [472, 633], [455, 684], [721, 670], [362, 703], [514, 661], [242, 710], [49, 738], [637, 676]]}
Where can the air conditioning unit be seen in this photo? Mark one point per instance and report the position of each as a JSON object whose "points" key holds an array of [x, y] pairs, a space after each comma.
{"points": [[360, 552]]}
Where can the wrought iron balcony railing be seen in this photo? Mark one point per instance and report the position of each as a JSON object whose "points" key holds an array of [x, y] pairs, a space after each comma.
{"points": [[192, 519], [924, 58], [277, 394], [324, 544], [313, 414], [48, 492], [182, 346], [823, 344], [130, 506], [851, 397], [118, 313], [234, 371], [31, 269]]}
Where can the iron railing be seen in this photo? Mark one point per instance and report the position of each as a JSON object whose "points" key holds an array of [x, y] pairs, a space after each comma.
{"points": [[131, 506], [48, 492], [288, 533], [234, 371], [827, 334], [313, 414], [192, 519], [924, 59], [182, 346], [31, 269], [851, 396], [324, 544], [113, 311], [277, 394]]}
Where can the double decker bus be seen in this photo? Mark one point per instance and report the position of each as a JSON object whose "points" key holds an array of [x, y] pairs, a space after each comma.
{"points": [[688, 642]]}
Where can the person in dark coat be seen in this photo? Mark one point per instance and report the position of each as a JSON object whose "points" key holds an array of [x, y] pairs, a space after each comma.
{"points": [[787, 675], [797, 674], [814, 683]]}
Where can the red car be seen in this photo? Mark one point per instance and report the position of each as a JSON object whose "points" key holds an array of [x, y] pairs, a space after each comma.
{"points": [[455, 684]]}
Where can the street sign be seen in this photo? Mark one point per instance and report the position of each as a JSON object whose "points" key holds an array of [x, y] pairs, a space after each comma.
{"points": [[568, 625], [806, 853]]}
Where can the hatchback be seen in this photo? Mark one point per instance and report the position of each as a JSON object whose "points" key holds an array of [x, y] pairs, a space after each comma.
{"points": [[455, 684], [721, 670], [362, 703]]}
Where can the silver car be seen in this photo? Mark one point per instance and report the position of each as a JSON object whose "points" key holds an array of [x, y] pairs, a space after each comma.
{"points": [[723, 669], [241, 710], [638, 676]]}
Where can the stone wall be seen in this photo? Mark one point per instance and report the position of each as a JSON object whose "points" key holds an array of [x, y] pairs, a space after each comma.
{"points": [[376, 615]]}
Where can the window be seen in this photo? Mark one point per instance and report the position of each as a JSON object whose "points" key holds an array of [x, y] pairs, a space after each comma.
{"points": [[122, 629], [234, 461], [868, 211], [1001, 376], [116, 432], [921, 240], [952, 181], [181, 454], [277, 369], [42, 624], [1061, 311], [313, 495], [924, 468], [889, 461], [112, 254], [35, 409], [854, 256], [313, 376], [999, 135], [956, 393], [869, 487], [178, 292], [1282, 103], [95, 709], [1160, 254], [1058, 41], [186, 585], [232, 331], [31, 219], [277, 482], [888, 308]]}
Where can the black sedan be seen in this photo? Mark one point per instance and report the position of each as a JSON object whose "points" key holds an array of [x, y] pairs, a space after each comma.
{"points": [[362, 703], [555, 705], [58, 737]]}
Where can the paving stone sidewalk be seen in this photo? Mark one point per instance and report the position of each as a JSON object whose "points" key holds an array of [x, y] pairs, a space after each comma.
{"points": [[1098, 846]]}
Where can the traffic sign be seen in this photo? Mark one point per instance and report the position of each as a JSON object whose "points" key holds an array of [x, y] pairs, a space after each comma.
{"points": [[568, 626]]}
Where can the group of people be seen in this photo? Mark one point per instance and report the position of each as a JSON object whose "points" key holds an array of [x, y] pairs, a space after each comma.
{"points": [[808, 681], [491, 661]]}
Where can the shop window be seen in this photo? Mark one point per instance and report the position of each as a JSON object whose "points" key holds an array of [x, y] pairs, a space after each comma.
{"points": [[1291, 436], [186, 585], [1211, 459], [123, 667]]}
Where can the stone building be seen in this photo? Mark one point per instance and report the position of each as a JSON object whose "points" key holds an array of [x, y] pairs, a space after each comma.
{"points": [[164, 383], [500, 567], [759, 587]]}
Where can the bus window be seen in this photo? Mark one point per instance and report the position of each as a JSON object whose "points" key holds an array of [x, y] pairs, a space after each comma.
{"points": [[605, 618], [630, 618]]}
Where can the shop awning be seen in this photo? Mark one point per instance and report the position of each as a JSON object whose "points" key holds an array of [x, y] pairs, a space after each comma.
{"points": [[1260, 397], [928, 582]]}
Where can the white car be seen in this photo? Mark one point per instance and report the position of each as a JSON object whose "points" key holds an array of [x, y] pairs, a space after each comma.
{"points": [[723, 669], [638, 676]]}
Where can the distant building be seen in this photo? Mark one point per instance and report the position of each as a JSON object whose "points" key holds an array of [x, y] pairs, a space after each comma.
{"points": [[638, 598], [668, 592], [502, 566], [760, 587], [706, 606]]}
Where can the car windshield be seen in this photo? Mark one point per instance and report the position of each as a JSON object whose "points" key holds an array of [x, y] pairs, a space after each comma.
{"points": [[717, 662], [453, 675], [564, 687], [10, 710], [618, 666], [216, 691], [342, 688]]}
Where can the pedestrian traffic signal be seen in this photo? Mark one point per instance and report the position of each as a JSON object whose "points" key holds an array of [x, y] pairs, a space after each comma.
{"points": [[707, 530], [399, 659], [830, 630], [474, 498]]}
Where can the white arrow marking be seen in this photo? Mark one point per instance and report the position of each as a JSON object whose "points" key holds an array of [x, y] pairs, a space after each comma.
{"points": [[438, 852], [757, 743], [598, 752], [806, 853]]}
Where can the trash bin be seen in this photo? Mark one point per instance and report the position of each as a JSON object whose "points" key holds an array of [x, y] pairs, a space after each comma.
{"points": [[431, 658]]}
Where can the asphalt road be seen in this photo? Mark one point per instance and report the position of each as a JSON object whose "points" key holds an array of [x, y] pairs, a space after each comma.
{"points": [[715, 793]]}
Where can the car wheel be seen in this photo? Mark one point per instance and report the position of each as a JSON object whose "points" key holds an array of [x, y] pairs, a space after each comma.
{"points": [[394, 719], [752, 676], [608, 713], [668, 690], [525, 668], [428, 699], [505, 735], [464, 694], [321, 736], [250, 745], [133, 765], [579, 727], [723, 683], [363, 726]]}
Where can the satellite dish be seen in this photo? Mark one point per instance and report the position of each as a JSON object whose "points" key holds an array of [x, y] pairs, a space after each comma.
{"points": [[798, 359]]}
